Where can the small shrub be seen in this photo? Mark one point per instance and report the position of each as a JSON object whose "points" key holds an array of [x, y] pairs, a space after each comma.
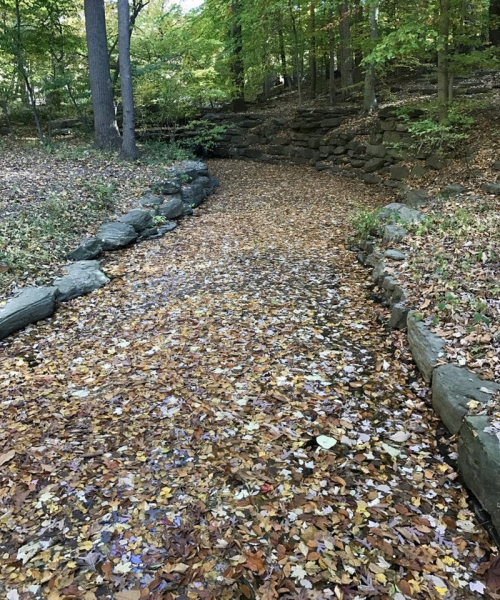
{"points": [[366, 224], [202, 136], [157, 153], [103, 195], [431, 136]]}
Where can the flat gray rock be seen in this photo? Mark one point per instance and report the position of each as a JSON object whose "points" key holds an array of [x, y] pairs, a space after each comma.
{"points": [[29, 306], [425, 346], [166, 228], [172, 209], [479, 463], [452, 190], [87, 250], [399, 316], [139, 219], [491, 188], [416, 198], [453, 388], [168, 187], [377, 150], [399, 172], [394, 255], [400, 213], [151, 201], [83, 277], [374, 164], [116, 235], [393, 233]]}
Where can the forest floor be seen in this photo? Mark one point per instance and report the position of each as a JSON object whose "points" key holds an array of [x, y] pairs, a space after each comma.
{"points": [[228, 419]]}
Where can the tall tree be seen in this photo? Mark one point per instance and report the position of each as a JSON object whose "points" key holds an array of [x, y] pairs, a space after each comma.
{"points": [[312, 48], [129, 148], [443, 66], [370, 98], [106, 132], [494, 25], [346, 63], [237, 65]]}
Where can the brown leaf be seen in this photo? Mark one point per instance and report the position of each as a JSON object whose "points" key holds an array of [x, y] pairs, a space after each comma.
{"points": [[4, 458], [492, 578]]}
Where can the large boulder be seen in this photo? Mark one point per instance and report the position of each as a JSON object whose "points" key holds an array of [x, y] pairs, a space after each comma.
{"points": [[87, 250], [393, 233], [491, 188], [416, 198], [189, 170], [29, 306], [139, 219], [193, 194], [172, 209], [425, 347], [378, 150], [479, 463], [151, 201], [116, 235], [167, 187], [453, 388], [209, 184], [83, 277], [374, 164], [400, 213], [399, 316]]}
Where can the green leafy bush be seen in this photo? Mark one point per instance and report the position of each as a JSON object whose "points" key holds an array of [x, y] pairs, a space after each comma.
{"points": [[366, 224], [430, 135]]}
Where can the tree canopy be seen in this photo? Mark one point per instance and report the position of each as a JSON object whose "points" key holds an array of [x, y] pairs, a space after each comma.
{"points": [[236, 51]]}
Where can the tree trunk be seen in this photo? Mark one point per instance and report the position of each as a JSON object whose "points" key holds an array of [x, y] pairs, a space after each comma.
{"points": [[284, 70], [312, 49], [129, 149], [23, 73], [357, 15], [443, 71], [346, 66], [297, 61], [370, 98], [332, 92], [237, 67], [106, 132], [494, 25]]}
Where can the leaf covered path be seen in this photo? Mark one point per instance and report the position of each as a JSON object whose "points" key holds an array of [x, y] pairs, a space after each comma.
{"points": [[227, 420]]}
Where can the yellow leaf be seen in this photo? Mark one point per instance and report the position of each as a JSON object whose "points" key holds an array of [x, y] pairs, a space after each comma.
{"points": [[86, 545], [441, 590], [381, 578], [165, 493]]}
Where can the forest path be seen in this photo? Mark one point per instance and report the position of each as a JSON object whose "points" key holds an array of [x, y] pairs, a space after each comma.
{"points": [[227, 419]]}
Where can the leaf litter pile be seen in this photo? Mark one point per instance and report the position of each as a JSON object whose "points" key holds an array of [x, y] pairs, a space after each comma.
{"points": [[227, 420]]}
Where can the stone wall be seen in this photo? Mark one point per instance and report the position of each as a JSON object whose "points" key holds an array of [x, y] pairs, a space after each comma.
{"points": [[319, 137]]}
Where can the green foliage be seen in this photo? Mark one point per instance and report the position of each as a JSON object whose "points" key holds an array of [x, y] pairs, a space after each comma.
{"points": [[159, 153], [366, 224], [430, 135], [103, 195], [202, 136]]}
